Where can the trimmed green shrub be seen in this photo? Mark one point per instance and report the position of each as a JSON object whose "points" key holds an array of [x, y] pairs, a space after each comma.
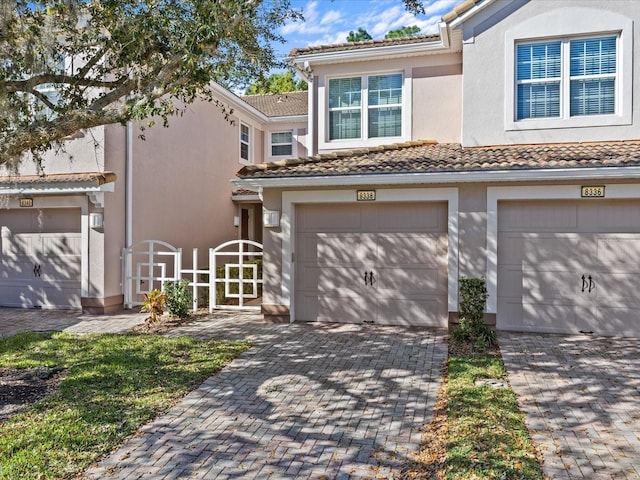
{"points": [[178, 298], [472, 328]]}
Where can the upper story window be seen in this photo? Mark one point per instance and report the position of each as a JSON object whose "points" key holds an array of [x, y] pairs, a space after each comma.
{"points": [[566, 78], [281, 144], [245, 143], [365, 107]]}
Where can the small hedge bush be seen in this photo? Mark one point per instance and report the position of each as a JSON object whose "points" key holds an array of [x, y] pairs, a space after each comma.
{"points": [[472, 328]]}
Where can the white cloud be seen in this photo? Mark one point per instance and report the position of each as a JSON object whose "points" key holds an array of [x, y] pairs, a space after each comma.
{"points": [[331, 17]]}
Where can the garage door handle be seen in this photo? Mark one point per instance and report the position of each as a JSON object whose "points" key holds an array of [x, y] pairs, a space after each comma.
{"points": [[368, 278], [584, 283], [590, 283], [36, 270]]}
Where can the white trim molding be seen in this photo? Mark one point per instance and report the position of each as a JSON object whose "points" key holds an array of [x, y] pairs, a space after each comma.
{"points": [[555, 192], [291, 199]]}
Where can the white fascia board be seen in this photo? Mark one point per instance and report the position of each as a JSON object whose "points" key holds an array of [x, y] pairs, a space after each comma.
{"points": [[55, 189], [456, 22], [441, 177], [373, 53], [255, 114], [289, 119]]}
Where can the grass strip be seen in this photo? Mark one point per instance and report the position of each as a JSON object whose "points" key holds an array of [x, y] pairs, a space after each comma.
{"points": [[487, 437], [114, 384]]}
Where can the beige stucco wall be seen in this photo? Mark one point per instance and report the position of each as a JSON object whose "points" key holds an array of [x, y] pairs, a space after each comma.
{"points": [[432, 97], [181, 180], [488, 66]]}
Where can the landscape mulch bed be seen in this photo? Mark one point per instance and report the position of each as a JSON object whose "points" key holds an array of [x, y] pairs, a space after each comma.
{"points": [[21, 387]]}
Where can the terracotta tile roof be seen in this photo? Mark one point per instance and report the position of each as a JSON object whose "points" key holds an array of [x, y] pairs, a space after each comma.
{"points": [[97, 178], [460, 9], [430, 157], [362, 45], [279, 105]]}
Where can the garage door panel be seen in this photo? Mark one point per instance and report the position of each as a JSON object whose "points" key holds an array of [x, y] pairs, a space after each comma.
{"points": [[411, 218], [546, 317], [57, 246], [617, 321], [425, 312], [339, 249], [511, 249], [541, 216], [510, 284], [343, 309], [617, 251], [553, 286], [319, 218], [399, 249], [408, 281], [616, 289]]}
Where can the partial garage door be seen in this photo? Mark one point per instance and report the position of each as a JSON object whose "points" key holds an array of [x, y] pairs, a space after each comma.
{"points": [[40, 258], [569, 267], [378, 263]]}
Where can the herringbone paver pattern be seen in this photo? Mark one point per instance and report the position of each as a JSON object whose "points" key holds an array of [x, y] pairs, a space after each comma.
{"points": [[581, 397], [307, 401]]}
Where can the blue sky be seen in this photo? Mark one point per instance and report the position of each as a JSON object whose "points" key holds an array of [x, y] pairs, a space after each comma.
{"points": [[329, 21]]}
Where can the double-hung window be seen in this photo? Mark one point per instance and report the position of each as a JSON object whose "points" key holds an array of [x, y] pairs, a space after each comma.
{"points": [[245, 145], [365, 107], [566, 78], [281, 144]]}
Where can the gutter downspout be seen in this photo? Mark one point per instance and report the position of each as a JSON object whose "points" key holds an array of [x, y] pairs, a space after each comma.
{"points": [[129, 185], [311, 141]]}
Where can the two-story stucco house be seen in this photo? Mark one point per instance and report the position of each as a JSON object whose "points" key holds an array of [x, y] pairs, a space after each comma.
{"points": [[63, 231], [505, 147]]}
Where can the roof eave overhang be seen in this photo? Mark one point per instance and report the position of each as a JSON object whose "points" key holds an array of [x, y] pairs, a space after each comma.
{"points": [[305, 61], [230, 97], [459, 20], [289, 119], [494, 176], [57, 188]]}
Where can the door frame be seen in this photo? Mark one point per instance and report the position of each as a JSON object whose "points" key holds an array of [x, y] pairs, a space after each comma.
{"points": [[546, 192], [391, 195]]}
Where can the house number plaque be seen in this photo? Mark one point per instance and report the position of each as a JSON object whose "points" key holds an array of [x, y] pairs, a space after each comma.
{"points": [[366, 195], [592, 191]]}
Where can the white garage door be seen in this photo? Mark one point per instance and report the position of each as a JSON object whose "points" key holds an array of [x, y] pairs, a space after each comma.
{"points": [[567, 267], [378, 263], [40, 258]]}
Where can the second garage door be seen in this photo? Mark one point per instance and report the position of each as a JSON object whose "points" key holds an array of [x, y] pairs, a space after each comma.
{"points": [[40, 256], [377, 263], [569, 267]]}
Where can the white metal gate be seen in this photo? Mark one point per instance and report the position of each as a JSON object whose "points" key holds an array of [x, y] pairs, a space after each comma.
{"points": [[236, 281]]}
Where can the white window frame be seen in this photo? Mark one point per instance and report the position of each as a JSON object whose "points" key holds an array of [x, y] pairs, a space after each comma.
{"points": [[552, 26], [325, 143], [272, 144], [248, 143]]}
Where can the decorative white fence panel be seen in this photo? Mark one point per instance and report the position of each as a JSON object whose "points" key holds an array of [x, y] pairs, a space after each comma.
{"points": [[149, 264], [248, 274]]}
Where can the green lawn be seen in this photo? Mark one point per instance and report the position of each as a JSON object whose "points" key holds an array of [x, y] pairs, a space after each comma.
{"points": [[487, 437], [114, 384]]}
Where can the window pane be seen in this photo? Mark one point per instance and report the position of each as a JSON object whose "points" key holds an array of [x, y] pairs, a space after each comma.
{"points": [[244, 133], [593, 97], [385, 122], [385, 89], [281, 150], [594, 56], [538, 60], [345, 92], [344, 124], [281, 137], [244, 151], [538, 100]]}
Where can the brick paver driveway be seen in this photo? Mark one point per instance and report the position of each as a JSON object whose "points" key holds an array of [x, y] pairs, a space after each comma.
{"points": [[581, 396], [307, 401]]}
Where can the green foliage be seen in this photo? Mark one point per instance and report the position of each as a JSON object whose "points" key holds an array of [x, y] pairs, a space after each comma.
{"points": [[487, 437], [178, 298], [132, 59], [114, 384], [277, 83], [403, 32], [153, 304], [359, 36], [472, 328]]}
